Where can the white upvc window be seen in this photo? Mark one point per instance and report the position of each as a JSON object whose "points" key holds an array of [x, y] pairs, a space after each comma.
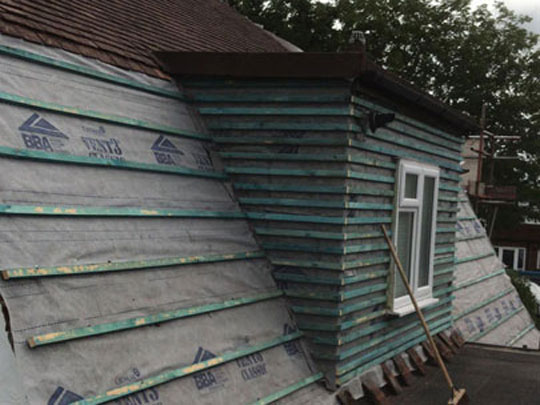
{"points": [[414, 233], [512, 256]]}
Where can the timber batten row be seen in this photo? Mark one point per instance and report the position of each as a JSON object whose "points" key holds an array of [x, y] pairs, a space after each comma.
{"points": [[316, 184]]}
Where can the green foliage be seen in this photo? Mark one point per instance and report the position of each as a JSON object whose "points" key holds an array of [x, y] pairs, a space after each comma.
{"points": [[307, 25], [527, 297], [463, 56]]}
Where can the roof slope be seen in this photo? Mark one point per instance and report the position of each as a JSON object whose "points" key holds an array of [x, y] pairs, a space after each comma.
{"points": [[125, 33], [487, 308], [151, 275]]}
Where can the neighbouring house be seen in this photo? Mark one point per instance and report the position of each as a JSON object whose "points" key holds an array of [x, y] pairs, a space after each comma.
{"points": [[191, 212], [518, 247]]}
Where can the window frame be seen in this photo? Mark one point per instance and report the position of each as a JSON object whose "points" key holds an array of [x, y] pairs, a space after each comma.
{"points": [[424, 294], [500, 251]]}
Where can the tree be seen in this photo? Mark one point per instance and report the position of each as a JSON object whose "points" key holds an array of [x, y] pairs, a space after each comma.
{"points": [[462, 56], [306, 24]]}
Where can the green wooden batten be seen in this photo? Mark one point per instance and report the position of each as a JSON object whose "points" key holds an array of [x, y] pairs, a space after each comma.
{"points": [[417, 333], [95, 115], [443, 291], [293, 202], [346, 309], [88, 72], [300, 233], [287, 187], [309, 157], [446, 187], [404, 154], [448, 199], [338, 281], [317, 264], [338, 311], [397, 126], [410, 144], [482, 303], [438, 138], [344, 354], [342, 250], [336, 296], [345, 142], [495, 325], [388, 355], [443, 250], [348, 174], [342, 281], [521, 334], [443, 218], [270, 140], [288, 390], [223, 125], [125, 390], [471, 237], [285, 111], [477, 280], [471, 218], [368, 104], [317, 111], [383, 323], [444, 260], [452, 210], [319, 219], [446, 230], [337, 327], [112, 163], [141, 321], [115, 212], [68, 270]]}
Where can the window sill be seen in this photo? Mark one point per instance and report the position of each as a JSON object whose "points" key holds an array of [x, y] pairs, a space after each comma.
{"points": [[409, 308]]}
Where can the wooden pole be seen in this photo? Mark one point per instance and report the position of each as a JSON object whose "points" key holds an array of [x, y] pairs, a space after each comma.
{"points": [[418, 310]]}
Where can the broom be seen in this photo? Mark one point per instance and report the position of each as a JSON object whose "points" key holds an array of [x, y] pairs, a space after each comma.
{"points": [[459, 395]]}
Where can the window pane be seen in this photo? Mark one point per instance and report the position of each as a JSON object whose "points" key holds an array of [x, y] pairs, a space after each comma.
{"points": [[521, 259], [404, 248], [508, 257], [425, 231], [411, 185]]}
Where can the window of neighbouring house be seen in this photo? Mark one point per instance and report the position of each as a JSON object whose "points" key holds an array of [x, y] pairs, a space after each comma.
{"points": [[414, 232], [513, 257]]}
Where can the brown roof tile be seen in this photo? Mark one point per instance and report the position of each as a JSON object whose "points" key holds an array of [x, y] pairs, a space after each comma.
{"points": [[126, 32]]}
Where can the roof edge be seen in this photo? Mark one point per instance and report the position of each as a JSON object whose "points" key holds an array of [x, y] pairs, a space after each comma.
{"points": [[308, 65]]}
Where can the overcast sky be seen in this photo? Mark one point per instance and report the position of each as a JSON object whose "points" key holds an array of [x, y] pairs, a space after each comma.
{"points": [[528, 7]]}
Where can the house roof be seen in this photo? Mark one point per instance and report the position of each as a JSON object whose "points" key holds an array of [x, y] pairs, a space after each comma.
{"points": [[125, 33]]}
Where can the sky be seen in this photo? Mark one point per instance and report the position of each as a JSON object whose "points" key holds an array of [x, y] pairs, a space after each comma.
{"points": [[528, 7]]}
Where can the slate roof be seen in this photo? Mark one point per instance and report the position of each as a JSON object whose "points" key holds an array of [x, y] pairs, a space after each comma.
{"points": [[125, 33]]}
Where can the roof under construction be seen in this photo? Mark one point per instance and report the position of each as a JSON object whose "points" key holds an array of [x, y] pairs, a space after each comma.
{"points": [[218, 239]]}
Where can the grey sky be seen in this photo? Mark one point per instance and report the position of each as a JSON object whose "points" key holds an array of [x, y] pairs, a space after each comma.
{"points": [[528, 7]]}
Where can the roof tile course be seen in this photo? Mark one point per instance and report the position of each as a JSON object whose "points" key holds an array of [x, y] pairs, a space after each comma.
{"points": [[126, 32]]}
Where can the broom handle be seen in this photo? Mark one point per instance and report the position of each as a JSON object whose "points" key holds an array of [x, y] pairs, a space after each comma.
{"points": [[417, 308]]}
